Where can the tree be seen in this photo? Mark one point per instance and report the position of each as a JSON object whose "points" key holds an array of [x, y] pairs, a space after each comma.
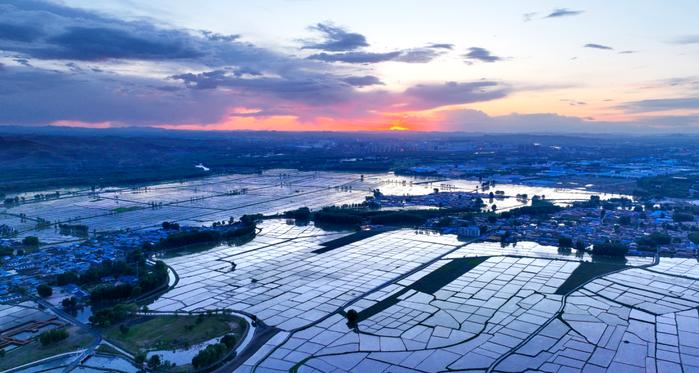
{"points": [[44, 290], [352, 318], [52, 336], [69, 303], [140, 358], [694, 237], [625, 220], [32, 241], [579, 245], [653, 240], [610, 248], [209, 355], [170, 226], [123, 329], [229, 340], [565, 242], [113, 315], [301, 214], [66, 278], [154, 361]]}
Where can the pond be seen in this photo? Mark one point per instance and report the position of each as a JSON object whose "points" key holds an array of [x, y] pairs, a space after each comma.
{"points": [[182, 356]]}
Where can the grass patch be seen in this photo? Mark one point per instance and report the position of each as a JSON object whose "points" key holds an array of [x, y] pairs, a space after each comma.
{"points": [[120, 210], [585, 272], [445, 274], [77, 339], [346, 240], [173, 332]]}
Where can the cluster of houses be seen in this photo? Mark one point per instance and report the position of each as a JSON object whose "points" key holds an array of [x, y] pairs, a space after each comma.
{"points": [[589, 225], [436, 199], [28, 270], [507, 170]]}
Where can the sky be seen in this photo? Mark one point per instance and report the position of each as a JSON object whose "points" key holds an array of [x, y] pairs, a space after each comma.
{"points": [[323, 65]]}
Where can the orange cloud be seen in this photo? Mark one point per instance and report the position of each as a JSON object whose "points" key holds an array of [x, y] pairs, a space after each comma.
{"points": [[240, 118]]}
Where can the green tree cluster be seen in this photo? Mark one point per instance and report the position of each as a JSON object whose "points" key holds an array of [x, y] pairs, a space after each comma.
{"points": [[52, 336]]}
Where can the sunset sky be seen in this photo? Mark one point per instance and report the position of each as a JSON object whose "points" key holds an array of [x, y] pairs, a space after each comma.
{"points": [[497, 66]]}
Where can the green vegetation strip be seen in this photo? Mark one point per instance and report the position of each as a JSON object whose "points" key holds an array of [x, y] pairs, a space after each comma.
{"points": [[120, 210], [346, 240], [585, 272], [447, 273]]}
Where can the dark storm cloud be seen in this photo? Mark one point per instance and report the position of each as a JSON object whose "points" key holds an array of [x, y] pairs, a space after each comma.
{"points": [[23, 33], [79, 35], [362, 81], [476, 54], [310, 90], [34, 96], [597, 46], [242, 71], [210, 73], [97, 43], [72, 34], [336, 39], [564, 12]]}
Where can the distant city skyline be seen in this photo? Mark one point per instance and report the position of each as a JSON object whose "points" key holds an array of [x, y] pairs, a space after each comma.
{"points": [[306, 65]]}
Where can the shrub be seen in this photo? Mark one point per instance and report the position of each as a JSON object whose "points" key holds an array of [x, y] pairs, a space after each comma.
{"points": [[69, 303], [140, 358], [565, 242], [610, 248], [352, 317], [694, 237], [123, 329], [112, 315], [30, 241], [154, 362], [229, 340], [44, 290], [209, 355], [52, 336], [654, 239], [302, 214]]}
